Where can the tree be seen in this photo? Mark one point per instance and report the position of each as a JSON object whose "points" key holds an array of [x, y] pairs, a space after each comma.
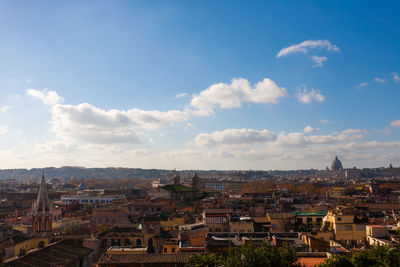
{"points": [[377, 256], [205, 260], [247, 256], [337, 261]]}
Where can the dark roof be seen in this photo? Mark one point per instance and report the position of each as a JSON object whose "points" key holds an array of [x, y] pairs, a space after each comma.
{"points": [[62, 252], [144, 258]]}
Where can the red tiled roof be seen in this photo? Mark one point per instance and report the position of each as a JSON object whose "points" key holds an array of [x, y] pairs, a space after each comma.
{"points": [[144, 258]]}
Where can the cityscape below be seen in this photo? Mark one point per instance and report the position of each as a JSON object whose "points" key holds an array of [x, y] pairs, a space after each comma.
{"points": [[186, 218]]}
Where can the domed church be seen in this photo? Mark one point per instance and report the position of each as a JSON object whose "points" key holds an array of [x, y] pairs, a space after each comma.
{"points": [[336, 165]]}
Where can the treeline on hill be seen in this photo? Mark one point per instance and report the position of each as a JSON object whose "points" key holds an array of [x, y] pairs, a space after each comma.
{"points": [[118, 173], [82, 173], [113, 173]]}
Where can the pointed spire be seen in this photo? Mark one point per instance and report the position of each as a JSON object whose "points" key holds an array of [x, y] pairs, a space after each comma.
{"points": [[42, 203]]}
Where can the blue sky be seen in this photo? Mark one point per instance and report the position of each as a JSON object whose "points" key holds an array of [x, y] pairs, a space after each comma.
{"points": [[199, 84]]}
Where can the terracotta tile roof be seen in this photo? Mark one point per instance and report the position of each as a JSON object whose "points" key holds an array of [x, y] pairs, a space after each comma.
{"points": [[62, 252], [144, 258]]}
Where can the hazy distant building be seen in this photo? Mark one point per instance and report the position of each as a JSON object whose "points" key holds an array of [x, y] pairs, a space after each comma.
{"points": [[336, 171], [177, 179], [195, 181], [81, 186], [336, 165]]}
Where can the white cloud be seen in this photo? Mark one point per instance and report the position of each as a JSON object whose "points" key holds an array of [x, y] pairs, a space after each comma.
{"points": [[5, 108], [91, 124], [232, 95], [362, 85], [48, 98], [310, 129], [234, 137], [379, 80], [305, 46], [395, 123], [3, 130], [299, 139], [308, 96], [324, 121], [396, 77], [181, 95], [318, 61]]}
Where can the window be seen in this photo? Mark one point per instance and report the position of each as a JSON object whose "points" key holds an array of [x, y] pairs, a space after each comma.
{"points": [[339, 219], [347, 227], [360, 227], [165, 250], [173, 250], [309, 220], [319, 219]]}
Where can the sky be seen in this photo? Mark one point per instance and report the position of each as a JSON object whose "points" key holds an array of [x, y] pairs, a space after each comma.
{"points": [[199, 84]]}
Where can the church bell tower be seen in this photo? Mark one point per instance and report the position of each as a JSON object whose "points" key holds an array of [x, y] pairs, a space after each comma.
{"points": [[41, 210]]}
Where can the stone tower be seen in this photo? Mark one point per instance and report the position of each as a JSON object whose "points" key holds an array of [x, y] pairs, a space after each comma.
{"points": [[195, 181], [41, 210], [177, 179]]}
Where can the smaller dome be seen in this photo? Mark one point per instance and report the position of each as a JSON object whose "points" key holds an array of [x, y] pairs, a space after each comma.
{"points": [[336, 164], [81, 186]]}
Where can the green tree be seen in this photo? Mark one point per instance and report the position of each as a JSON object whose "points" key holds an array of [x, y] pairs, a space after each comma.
{"points": [[205, 260], [337, 261], [248, 256]]}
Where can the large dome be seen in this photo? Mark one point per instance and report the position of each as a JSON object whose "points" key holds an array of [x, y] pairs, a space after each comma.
{"points": [[336, 164]]}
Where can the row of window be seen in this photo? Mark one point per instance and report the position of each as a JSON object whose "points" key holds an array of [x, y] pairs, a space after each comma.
{"points": [[87, 200]]}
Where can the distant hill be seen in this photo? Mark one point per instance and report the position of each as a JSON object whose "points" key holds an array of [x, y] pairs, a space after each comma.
{"points": [[82, 173], [69, 172]]}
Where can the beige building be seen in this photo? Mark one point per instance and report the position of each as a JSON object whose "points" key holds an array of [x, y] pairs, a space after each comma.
{"points": [[341, 222], [217, 220], [156, 193], [244, 225]]}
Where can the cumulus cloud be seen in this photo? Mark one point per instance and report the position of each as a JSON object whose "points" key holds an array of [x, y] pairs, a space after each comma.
{"points": [[181, 95], [305, 46], [308, 96], [299, 139], [395, 123], [379, 80], [324, 121], [396, 77], [5, 108], [91, 124], [369, 145], [310, 129], [232, 95], [318, 61], [234, 137], [48, 98]]}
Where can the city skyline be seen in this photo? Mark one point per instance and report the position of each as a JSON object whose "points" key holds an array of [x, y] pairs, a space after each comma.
{"points": [[208, 85]]}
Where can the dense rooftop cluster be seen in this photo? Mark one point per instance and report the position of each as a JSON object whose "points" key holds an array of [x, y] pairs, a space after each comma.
{"points": [[184, 218]]}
